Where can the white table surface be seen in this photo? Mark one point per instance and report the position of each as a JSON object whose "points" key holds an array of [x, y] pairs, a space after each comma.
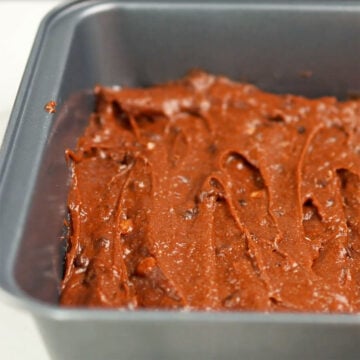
{"points": [[19, 20]]}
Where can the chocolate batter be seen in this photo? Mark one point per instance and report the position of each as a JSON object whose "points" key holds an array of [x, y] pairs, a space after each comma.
{"points": [[207, 194]]}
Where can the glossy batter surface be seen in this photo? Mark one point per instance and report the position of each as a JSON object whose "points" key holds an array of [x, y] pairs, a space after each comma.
{"points": [[207, 194]]}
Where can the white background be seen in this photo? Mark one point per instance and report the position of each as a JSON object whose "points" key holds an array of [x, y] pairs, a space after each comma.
{"points": [[19, 20]]}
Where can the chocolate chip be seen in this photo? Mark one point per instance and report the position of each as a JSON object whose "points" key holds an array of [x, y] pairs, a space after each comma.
{"points": [[301, 130], [259, 181], [215, 183], [242, 202], [81, 261], [277, 116], [274, 301], [128, 159]]}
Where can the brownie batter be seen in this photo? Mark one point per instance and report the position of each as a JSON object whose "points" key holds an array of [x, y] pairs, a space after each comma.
{"points": [[207, 194]]}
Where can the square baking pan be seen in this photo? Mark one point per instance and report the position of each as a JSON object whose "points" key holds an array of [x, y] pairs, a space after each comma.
{"points": [[128, 43]]}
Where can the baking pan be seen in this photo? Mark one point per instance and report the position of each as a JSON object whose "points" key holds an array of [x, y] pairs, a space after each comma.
{"points": [[271, 44]]}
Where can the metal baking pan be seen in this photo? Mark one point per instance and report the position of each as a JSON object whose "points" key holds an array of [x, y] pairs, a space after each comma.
{"points": [[136, 44]]}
